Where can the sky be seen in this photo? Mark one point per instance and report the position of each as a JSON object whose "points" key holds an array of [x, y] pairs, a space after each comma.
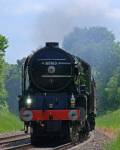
{"points": [[28, 24]]}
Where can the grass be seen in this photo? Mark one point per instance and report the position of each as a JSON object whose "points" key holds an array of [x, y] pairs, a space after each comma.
{"points": [[114, 145], [111, 121], [9, 122]]}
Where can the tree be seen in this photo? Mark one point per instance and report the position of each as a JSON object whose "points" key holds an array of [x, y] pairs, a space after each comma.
{"points": [[13, 84], [3, 46]]}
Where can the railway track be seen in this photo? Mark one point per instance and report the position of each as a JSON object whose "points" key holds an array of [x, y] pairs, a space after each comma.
{"points": [[14, 140], [22, 146], [64, 146], [72, 146], [12, 136], [23, 143], [5, 140], [29, 146]]}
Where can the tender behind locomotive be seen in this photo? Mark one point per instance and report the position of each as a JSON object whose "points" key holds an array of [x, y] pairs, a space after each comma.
{"points": [[58, 94]]}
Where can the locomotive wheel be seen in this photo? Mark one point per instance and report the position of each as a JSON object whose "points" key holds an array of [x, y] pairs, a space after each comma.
{"points": [[85, 130], [74, 133]]}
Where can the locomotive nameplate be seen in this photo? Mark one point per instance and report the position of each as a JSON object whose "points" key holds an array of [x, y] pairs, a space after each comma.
{"points": [[55, 63]]}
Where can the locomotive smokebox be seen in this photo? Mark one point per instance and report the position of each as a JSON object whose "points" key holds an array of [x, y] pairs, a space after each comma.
{"points": [[51, 68], [52, 44]]}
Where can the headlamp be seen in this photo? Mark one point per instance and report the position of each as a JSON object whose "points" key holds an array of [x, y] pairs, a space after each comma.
{"points": [[29, 101]]}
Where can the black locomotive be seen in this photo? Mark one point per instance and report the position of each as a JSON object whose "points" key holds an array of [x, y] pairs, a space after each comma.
{"points": [[58, 95]]}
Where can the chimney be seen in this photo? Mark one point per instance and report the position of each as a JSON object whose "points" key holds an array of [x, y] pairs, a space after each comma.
{"points": [[52, 44]]}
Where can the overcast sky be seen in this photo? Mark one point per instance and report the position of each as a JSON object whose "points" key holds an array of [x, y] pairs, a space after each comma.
{"points": [[29, 23]]}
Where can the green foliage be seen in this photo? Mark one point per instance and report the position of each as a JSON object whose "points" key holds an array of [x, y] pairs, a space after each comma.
{"points": [[113, 90], [9, 122], [3, 46], [13, 84]]}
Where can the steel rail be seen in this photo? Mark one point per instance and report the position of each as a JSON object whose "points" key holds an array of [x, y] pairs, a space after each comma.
{"points": [[73, 146], [18, 146], [15, 139], [12, 136]]}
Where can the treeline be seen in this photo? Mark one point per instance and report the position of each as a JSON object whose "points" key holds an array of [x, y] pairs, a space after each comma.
{"points": [[99, 48], [13, 76], [10, 80], [3, 93], [96, 45]]}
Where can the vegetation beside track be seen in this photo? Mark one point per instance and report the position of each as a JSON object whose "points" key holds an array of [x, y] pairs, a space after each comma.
{"points": [[114, 145], [111, 123], [9, 122]]}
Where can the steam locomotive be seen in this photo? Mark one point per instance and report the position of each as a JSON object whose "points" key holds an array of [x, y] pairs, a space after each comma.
{"points": [[58, 95]]}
